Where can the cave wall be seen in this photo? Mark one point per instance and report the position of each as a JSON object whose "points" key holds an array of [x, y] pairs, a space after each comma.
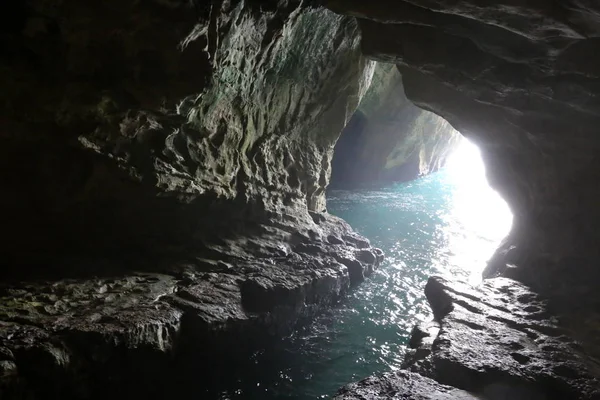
{"points": [[163, 170], [389, 139], [132, 127], [520, 79], [176, 154]]}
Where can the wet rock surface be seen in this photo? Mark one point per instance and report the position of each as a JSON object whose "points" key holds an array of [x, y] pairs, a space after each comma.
{"points": [[496, 341], [401, 385], [127, 334], [519, 79], [165, 166]]}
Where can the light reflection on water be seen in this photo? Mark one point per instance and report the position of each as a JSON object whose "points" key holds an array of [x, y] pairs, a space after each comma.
{"points": [[448, 224]]}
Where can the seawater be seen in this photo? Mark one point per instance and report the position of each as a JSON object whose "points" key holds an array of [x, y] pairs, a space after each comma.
{"points": [[448, 223]]}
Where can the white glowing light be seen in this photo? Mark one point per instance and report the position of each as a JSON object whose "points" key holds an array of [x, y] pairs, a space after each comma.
{"points": [[476, 208]]}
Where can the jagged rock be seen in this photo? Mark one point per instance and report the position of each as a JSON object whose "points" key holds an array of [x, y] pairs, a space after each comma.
{"points": [[501, 339], [423, 334], [144, 142], [334, 240], [74, 331], [182, 128], [519, 79], [176, 159], [367, 256], [389, 139], [401, 385], [496, 341]]}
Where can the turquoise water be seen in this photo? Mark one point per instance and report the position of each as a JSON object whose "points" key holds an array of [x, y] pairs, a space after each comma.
{"points": [[448, 223]]}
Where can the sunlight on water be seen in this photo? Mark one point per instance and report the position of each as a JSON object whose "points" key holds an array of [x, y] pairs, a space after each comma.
{"points": [[479, 218], [448, 223]]}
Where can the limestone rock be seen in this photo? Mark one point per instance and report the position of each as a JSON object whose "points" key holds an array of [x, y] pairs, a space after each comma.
{"points": [[140, 331], [520, 80], [501, 338], [167, 127]]}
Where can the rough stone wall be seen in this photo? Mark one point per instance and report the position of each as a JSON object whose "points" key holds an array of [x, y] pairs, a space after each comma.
{"points": [[495, 341], [163, 166], [520, 79], [133, 126], [389, 139]]}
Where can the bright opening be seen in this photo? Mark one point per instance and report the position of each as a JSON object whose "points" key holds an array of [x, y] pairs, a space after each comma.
{"points": [[476, 209], [447, 223]]}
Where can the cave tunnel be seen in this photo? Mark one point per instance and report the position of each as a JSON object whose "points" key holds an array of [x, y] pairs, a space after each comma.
{"points": [[450, 218], [271, 199]]}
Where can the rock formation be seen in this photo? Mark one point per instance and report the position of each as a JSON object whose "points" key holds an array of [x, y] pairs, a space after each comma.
{"points": [[388, 138], [495, 342], [134, 123], [519, 79], [164, 166]]}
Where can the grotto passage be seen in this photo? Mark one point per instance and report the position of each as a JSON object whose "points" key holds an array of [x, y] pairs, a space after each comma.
{"points": [[448, 224], [164, 168]]}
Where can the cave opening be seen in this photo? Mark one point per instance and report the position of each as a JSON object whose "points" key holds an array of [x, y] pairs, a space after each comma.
{"points": [[447, 222], [416, 187]]}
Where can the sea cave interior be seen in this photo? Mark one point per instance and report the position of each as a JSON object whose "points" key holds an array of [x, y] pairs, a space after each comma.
{"points": [[300, 199]]}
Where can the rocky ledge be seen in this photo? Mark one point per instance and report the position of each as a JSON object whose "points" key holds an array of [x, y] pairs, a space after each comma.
{"points": [[167, 195], [136, 333], [495, 341]]}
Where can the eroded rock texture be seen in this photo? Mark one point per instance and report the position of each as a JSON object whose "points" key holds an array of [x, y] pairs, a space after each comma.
{"points": [[389, 139], [163, 168], [228, 116], [498, 341]]}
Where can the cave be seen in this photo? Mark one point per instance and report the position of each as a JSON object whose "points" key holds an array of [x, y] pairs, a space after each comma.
{"points": [[166, 166]]}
